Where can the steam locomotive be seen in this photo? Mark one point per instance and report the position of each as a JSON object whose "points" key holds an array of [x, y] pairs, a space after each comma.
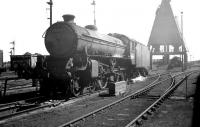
{"points": [[80, 57]]}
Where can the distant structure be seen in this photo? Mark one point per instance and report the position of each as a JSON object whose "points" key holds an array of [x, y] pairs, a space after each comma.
{"points": [[166, 38], [12, 49], [50, 3]]}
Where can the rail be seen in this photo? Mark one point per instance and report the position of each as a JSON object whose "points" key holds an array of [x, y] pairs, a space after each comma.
{"points": [[152, 108], [34, 106], [133, 95]]}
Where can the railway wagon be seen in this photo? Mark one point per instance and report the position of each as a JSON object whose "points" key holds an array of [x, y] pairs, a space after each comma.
{"points": [[80, 57], [23, 65]]}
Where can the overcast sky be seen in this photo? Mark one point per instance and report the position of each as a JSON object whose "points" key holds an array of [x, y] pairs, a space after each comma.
{"points": [[25, 21]]}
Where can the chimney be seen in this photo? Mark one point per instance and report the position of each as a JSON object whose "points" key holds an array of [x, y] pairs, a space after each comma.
{"points": [[68, 18]]}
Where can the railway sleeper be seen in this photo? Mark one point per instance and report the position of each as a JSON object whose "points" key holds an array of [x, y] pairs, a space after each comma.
{"points": [[145, 117], [156, 105], [149, 112], [139, 122], [159, 103], [153, 109], [133, 125]]}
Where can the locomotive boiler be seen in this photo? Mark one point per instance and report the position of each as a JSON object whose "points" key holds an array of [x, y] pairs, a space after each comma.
{"points": [[66, 39]]}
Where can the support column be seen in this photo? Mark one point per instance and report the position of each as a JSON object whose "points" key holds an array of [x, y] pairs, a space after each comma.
{"points": [[185, 60], [166, 58], [151, 57]]}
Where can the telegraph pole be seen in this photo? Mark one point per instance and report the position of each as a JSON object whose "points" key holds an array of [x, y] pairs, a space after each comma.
{"points": [[94, 4], [182, 24], [182, 40], [50, 3]]}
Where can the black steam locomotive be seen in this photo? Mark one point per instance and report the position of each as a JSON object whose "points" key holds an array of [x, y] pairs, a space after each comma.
{"points": [[81, 57]]}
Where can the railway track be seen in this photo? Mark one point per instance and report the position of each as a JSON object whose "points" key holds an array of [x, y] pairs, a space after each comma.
{"points": [[20, 107], [153, 107], [111, 106], [17, 108], [119, 113]]}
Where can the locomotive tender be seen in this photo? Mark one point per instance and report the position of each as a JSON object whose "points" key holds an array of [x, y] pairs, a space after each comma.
{"points": [[81, 57]]}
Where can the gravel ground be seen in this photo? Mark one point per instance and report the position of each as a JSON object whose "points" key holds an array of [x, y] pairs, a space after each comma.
{"points": [[173, 113], [120, 115], [177, 111]]}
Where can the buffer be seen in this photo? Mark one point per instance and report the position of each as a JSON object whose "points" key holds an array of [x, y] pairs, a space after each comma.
{"points": [[166, 38]]}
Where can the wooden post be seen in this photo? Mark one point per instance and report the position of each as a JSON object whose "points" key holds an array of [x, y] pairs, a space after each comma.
{"points": [[186, 87], [5, 87]]}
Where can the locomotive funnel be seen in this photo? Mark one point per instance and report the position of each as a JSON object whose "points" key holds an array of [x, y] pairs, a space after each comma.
{"points": [[68, 18]]}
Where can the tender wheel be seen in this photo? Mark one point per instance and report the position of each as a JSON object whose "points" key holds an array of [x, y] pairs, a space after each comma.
{"points": [[75, 87]]}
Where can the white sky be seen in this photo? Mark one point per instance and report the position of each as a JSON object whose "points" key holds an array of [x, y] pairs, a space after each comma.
{"points": [[24, 21]]}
